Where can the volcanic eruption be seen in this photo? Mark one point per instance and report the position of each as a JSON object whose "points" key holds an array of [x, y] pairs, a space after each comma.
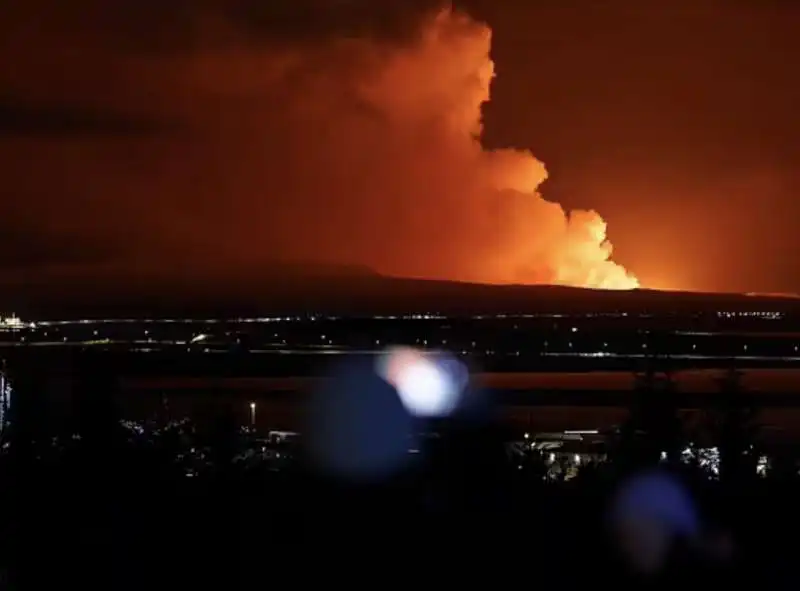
{"points": [[394, 140], [340, 149]]}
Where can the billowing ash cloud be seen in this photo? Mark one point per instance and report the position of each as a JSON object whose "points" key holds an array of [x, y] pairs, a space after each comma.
{"points": [[346, 151]]}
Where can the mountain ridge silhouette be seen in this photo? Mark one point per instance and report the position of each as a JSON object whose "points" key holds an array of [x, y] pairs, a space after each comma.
{"points": [[301, 287]]}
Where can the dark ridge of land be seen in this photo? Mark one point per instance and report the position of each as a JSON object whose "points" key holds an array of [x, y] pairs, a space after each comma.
{"points": [[344, 290]]}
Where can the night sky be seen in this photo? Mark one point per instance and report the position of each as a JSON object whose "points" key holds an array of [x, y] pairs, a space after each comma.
{"points": [[205, 136]]}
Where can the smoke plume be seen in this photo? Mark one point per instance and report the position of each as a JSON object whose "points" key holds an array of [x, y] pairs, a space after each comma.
{"points": [[357, 151]]}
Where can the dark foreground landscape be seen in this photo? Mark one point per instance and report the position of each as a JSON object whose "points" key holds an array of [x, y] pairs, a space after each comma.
{"points": [[180, 451], [204, 474]]}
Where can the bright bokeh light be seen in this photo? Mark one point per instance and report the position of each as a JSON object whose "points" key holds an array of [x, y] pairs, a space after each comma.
{"points": [[425, 387], [425, 390]]}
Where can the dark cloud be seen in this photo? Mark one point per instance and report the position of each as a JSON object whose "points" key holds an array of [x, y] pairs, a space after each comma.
{"points": [[20, 118], [315, 19], [35, 251], [180, 25]]}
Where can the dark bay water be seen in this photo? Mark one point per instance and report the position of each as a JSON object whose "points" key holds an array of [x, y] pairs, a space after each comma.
{"points": [[538, 401]]}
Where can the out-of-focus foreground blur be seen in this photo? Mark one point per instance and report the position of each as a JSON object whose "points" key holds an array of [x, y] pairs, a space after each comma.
{"points": [[401, 460]]}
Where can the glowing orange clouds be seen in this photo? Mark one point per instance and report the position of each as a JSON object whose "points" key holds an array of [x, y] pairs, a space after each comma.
{"points": [[358, 151], [396, 146]]}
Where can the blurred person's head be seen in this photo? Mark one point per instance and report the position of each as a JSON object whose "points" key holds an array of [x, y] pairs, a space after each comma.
{"points": [[359, 431], [653, 521]]}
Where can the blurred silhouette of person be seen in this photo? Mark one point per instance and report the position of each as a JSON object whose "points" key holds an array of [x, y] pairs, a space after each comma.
{"points": [[357, 445], [657, 534], [359, 432]]}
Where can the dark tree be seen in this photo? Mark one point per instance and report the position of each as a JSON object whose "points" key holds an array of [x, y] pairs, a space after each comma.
{"points": [[653, 427], [783, 465], [735, 428]]}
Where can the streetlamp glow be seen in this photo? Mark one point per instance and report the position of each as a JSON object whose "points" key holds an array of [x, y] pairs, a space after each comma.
{"points": [[252, 414]]}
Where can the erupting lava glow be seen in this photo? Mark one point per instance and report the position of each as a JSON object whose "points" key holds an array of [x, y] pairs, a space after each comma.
{"points": [[361, 151], [441, 84]]}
